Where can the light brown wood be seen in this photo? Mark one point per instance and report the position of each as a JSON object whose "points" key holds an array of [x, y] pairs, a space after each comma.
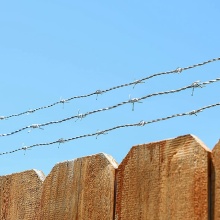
{"points": [[80, 189], [164, 180], [20, 195], [215, 180]]}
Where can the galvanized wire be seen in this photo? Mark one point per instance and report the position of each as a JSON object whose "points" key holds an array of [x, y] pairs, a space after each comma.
{"points": [[132, 101], [98, 92], [141, 123]]}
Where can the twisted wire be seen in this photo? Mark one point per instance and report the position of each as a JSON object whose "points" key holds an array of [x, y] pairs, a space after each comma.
{"points": [[132, 101], [141, 123], [98, 92]]}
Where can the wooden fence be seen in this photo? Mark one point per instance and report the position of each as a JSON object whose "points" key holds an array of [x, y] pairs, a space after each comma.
{"points": [[167, 180]]}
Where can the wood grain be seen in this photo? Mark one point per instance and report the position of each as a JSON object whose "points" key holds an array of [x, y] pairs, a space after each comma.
{"points": [[80, 189], [215, 182], [20, 195], [164, 180]]}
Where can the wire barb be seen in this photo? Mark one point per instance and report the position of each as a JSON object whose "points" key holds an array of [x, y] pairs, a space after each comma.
{"points": [[139, 81], [196, 84], [25, 148], [178, 70], [30, 111], [63, 101], [35, 126], [195, 112], [61, 141], [2, 117], [100, 133], [98, 92], [142, 123], [80, 116], [134, 100]]}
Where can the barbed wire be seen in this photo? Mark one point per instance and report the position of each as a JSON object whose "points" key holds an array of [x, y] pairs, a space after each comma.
{"points": [[99, 92], [132, 101], [141, 123]]}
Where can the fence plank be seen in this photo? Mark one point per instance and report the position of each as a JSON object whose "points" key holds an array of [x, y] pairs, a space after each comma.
{"points": [[164, 180], [80, 189], [215, 180], [20, 195]]}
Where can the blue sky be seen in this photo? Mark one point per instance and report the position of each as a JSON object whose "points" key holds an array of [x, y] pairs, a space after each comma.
{"points": [[52, 50]]}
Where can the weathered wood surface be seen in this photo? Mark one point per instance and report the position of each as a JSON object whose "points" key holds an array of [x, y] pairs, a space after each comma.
{"points": [[20, 195], [80, 189], [215, 181], [164, 180], [167, 180]]}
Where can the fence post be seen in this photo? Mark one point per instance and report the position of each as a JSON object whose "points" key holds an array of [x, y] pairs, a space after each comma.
{"points": [[164, 180], [80, 189], [20, 195]]}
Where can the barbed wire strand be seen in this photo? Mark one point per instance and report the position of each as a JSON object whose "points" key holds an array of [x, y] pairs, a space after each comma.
{"points": [[98, 92], [132, 101], [141, 123]]}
